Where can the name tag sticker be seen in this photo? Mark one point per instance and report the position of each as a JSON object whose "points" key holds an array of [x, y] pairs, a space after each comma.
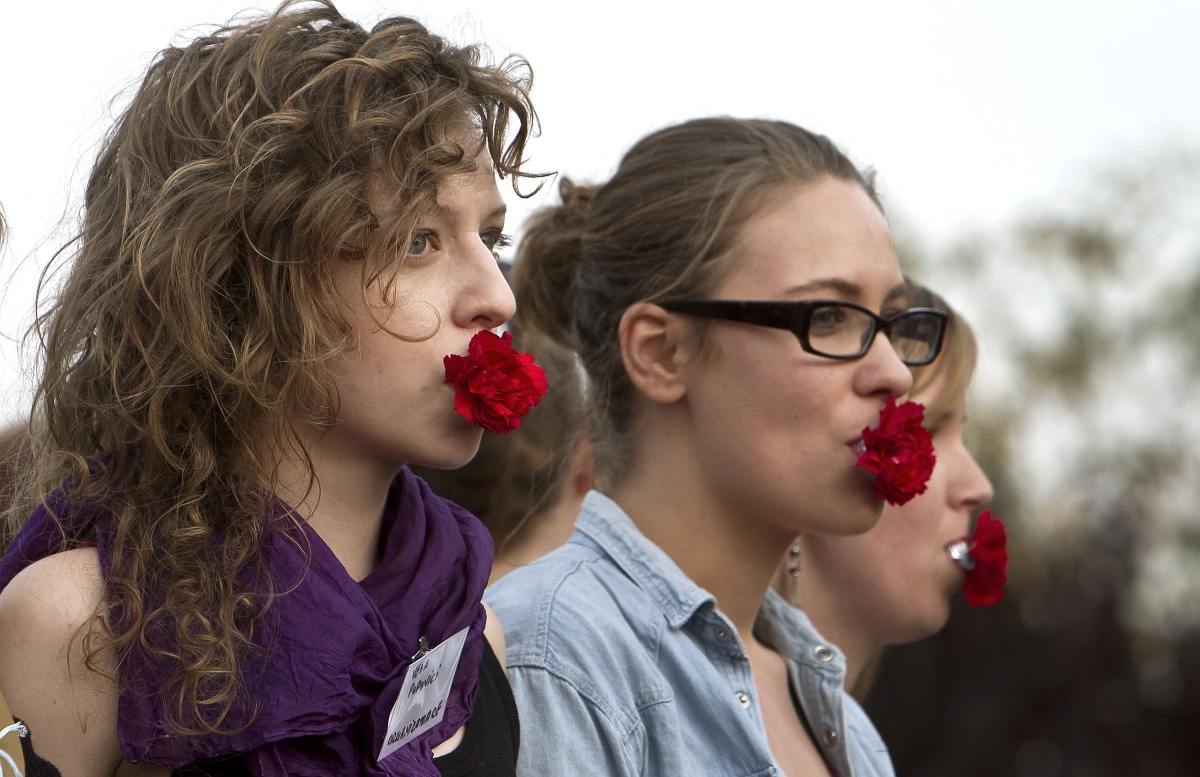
{"points": [[422, 701]]}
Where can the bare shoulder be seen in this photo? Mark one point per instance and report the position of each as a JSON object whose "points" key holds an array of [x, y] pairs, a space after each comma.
{"points": [[57, 593], [71, 708], [493, 632]]}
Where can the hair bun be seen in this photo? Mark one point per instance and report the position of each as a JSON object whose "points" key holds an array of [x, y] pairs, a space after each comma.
{"points": [[548, 260]]}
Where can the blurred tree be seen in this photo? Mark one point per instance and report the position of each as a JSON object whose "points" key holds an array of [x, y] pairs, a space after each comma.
{"points": [[1084, 415]]}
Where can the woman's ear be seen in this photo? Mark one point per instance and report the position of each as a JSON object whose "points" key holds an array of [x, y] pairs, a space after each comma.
{"points": [[655, 346]]}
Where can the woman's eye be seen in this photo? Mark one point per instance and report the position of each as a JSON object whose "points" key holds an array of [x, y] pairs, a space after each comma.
{"points": [[419, 245], [495, 240], [826, 319]]}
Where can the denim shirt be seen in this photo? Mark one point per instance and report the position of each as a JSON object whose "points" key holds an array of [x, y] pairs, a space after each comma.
{"points": [[621, 665]]}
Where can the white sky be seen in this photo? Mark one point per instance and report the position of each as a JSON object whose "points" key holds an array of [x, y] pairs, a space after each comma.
{"points": [[970, 111]]}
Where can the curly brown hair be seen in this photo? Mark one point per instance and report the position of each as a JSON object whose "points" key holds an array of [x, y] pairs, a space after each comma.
{"points": [[193, 329]]}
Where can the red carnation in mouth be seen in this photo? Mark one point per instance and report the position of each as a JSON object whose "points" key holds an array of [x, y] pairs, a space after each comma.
{"points": [[988, 548], [899, 452], [494, 383]]}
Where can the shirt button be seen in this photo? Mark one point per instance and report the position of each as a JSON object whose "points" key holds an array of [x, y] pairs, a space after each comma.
{"points": [[829, 737], [743, 699], [722, 633], [823, 653]]}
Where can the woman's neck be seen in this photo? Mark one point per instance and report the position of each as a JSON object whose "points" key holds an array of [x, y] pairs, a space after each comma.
{"points": [[344, 505], [835, 619], [537, 536], [855, 645], [718, 547], [544, 531]]}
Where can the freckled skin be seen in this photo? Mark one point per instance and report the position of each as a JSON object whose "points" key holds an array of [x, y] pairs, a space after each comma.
{"points": [[396, 406]]}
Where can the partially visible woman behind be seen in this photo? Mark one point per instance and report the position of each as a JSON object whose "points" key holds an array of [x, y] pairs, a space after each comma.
{"points": [[222, 563], [12, 444], [12, 438], [16, 741], [894, 583]]}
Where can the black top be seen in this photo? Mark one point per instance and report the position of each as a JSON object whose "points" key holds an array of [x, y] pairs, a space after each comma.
{"points": [[488, 747], [35, 765]]}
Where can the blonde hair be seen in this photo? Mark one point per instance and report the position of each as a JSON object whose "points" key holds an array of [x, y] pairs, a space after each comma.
{"points": [[955, 365], [194, 329], [661, 227]]}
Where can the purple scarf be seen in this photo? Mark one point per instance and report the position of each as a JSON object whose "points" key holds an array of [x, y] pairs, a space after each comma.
{"points": [[336, 651]]}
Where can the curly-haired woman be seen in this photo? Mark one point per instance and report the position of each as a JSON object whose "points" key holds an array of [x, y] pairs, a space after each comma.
{"points": [[219, 556]]}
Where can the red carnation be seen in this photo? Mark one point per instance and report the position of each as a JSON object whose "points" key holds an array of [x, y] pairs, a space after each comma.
{"points": [[899, 453], [495, 385], [985, 581]]}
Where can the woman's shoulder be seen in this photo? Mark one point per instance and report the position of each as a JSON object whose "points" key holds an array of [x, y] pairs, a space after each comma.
{"points": [[585, 645], [572, 587], [45, 611], [578, 616], [53, 596]]}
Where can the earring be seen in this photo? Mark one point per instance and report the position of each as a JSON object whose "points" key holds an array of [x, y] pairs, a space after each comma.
{"points": [[793, 570]]}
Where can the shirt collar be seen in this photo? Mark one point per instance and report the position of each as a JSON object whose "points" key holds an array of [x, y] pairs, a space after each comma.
{"points": [[779, 624], [609, 527], [787, 629]]}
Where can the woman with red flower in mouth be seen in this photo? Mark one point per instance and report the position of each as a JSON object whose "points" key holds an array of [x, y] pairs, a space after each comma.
{"points": [[734, 296], [894, 583], [221, 563]]}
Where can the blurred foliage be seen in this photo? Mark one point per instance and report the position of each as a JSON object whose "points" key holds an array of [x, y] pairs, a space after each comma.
{"points": [[1083, 414]]}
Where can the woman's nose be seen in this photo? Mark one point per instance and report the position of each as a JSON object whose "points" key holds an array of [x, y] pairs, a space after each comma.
{"points": [[490, 302], [973, 487], [882, 371]]}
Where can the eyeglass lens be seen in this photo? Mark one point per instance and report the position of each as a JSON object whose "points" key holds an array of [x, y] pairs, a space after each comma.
{"points": [[838, 330], [915, 336]]}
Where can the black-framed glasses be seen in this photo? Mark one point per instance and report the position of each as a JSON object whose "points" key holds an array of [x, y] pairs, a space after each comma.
{"points": [[832, 328]]}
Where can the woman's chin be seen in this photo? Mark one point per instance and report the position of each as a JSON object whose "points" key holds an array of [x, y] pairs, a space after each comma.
{"points": [[456, 452], [922, 625], [860, 517]]}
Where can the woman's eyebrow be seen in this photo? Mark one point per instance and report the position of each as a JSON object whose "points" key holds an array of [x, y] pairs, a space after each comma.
{"points": [[840, 285], [846, 288], [440, 211]]}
